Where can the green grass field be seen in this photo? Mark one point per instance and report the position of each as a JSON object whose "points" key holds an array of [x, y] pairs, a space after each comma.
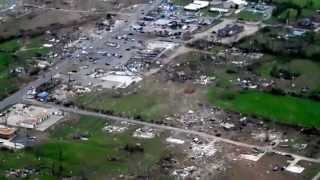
{"points": [[309, 72], [181, 2], [145, 106], [10, 46], [250, 16], [7, 84], [284, 109], [150, 99], [62, 155]]}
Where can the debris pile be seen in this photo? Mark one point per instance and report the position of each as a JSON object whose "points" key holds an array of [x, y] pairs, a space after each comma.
{"points": [[21, 173], [200, 149], [144, 133], [114, 129]]}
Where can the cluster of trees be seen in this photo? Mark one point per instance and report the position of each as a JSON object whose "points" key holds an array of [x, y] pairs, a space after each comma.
{"points": [[283, 73], [270, 42], [289, 9]]}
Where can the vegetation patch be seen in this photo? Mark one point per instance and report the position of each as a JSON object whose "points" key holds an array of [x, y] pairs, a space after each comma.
{"points": [[17, 53], [150, 100], [101, 156], [298, 75], [181, 2], [284, 109], [250, 16], [291, 10], [283, 42]]}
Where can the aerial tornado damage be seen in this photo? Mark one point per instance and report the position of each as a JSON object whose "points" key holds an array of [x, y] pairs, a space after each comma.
{"points": [[160, 89]]}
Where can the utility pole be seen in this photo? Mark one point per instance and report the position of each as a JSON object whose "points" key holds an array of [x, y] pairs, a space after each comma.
{"points": [[69, 80]]}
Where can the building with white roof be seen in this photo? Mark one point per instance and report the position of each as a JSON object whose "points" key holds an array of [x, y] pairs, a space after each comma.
{"points": [[235, 3], [197, 5], [239, 2]]}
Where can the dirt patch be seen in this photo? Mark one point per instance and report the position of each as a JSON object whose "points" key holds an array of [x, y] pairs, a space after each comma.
{"points": [[264, 169]]}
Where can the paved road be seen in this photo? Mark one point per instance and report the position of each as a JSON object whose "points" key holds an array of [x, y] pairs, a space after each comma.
{"points": [[175, 129]]}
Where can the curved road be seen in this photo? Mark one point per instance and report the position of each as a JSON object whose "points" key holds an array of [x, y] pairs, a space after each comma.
{"points": [[175, 129]]}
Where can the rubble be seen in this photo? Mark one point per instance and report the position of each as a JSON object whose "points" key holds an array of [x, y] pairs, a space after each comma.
{"points": [[114, 129], [267, 136], [251, 157], [20, 173], [174, 140], [185, 172], [144, 133], [227, 125], [200, 150]]}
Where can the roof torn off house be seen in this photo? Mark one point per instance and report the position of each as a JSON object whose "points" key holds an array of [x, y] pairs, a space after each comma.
{"points": [[31, 117]]}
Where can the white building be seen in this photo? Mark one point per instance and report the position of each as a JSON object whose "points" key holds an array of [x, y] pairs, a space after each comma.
{"points": [[240, 2], [197, 5], [235, 3]]}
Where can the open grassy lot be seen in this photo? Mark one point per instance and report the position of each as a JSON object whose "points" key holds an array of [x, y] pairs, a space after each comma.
{"points": [[148, 100], [144, 105], [2, 3], [284, 109], [7, 84], [181, 2], [101, 157], [10, 46], [250, 16]]}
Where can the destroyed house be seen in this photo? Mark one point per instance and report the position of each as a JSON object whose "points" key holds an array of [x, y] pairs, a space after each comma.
{"points": [[6, 132], [230, 30], [305, 23]]}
